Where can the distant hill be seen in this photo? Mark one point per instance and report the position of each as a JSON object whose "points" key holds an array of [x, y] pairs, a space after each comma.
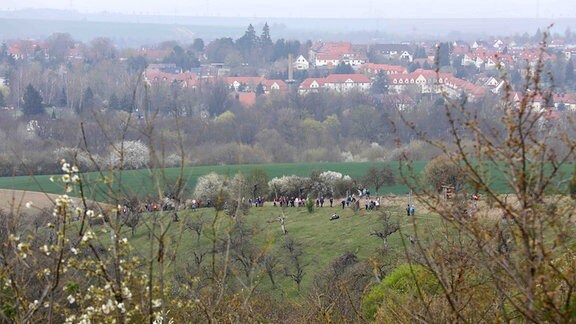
{"points": [[130, 30]]}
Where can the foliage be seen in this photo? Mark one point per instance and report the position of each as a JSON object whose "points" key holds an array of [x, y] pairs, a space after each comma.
{"points": [[443, 171], [210, 186], [572, 188], [129, 155], [32, 105], [376, 177], [344, 68], [397, 291]]}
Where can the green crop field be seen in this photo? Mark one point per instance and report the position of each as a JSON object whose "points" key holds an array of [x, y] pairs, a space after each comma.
{"points": [[139, 182]]}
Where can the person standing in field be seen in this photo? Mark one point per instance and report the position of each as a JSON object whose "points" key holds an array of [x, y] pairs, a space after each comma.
{"points": [[282, 226]]}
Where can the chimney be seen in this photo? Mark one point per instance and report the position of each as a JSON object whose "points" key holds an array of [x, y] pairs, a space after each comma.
{"points": [[290, 69]]}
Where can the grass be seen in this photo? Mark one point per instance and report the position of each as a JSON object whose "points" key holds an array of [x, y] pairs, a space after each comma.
{"points": [[322, 240]]}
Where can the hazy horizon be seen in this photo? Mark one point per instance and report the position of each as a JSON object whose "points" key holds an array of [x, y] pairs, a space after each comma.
{"points": [[315, 9]]}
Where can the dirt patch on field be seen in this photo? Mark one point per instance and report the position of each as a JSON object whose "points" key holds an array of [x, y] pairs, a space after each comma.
{"points": [[18, 200]]}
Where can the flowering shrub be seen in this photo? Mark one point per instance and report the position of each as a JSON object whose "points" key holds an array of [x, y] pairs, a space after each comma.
{"points": [[129, 155]]}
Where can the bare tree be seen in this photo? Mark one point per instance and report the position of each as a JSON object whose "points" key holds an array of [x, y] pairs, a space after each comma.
{"points": [[480, 278], [294, 268], [387, 228]]}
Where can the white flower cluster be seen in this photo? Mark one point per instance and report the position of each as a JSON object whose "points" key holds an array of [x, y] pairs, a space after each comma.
{"points": [[89, 235], [330, 176]]}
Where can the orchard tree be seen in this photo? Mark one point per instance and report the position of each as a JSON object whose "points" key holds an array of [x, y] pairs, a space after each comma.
{"points": [[32, 102], [443, 171], [257, 182], [210, 187], [129, 155], [378, 176]]}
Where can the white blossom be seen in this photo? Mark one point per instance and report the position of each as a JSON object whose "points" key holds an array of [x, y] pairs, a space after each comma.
{"points": [[71, 299]]}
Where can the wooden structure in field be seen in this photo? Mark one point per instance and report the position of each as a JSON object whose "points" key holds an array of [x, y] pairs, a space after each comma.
{"points": [[448, 192]]}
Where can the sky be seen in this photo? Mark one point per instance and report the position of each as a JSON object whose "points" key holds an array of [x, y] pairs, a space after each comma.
{"points": [[315, 8]]}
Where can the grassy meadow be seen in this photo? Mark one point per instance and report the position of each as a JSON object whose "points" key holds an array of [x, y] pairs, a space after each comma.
{"points": [[322, 240]]}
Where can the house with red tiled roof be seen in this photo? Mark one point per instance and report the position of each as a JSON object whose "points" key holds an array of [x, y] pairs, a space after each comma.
{"points": [[346, 82], [185, 80], [557, 101], [250, 84], [483, 59], [427, 81], [373, 69], [557, 43], [570, 53], [336, 82], [531, 56], [330, 54], [244, 83], [431, 82], [274, 85], [460, 49], [456, 87], [400, 52], [247, 99], [311, 85], [565, 101]]}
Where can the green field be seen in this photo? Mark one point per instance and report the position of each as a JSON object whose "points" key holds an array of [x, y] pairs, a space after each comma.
{"points": [[140, 183]]}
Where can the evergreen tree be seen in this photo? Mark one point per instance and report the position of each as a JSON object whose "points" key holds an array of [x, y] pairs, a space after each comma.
{"points": [[420, 52], [185, 60], [198, 45], [88, 101], [266, 44], [2, 100], [63, 99], [569, 75], [32, 102], [344, 68], [126, 103], [114, 102], [442, 57], [413, 67], [380, 85], [3, 50], [265, 39], [7, 78], [137, 63], [259, 90], [247, 44]]}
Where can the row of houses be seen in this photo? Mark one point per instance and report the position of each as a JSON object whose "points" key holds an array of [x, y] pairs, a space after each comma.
{"points": [[399, 82]]}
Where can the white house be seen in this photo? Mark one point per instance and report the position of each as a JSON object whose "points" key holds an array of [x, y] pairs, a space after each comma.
{"points": [[301, 63]]}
